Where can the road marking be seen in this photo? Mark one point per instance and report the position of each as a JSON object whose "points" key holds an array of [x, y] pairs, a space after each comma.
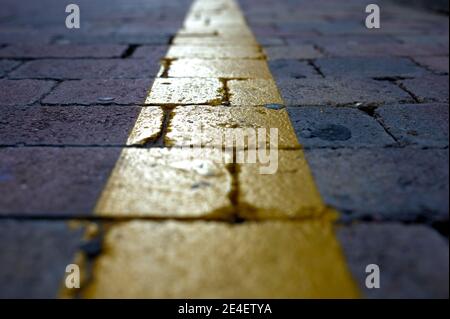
{"points": [[148, 259]]}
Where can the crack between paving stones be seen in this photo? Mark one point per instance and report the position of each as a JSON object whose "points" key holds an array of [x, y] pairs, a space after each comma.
{"points": [[316, 68], [403, 87], [129, 51]]}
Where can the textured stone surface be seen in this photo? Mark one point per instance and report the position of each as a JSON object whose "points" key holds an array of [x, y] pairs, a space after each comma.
{"points": [[310, 92], [422, 124], [413, 260], [62, 51], [185, 91], [199, 125], [91, 92], [193, 183], [52, 182], [74, 125], [214, 52], [34, 256], [428, 89], [254, 92], [337, 127], [292, 52], [434, 63], [369, 67], [292, 69], [150, 52], [7, 65], [386, 184], [217, 260], [283, 189], [23, 92], [247, 69], [74, 69], [382, 49]]}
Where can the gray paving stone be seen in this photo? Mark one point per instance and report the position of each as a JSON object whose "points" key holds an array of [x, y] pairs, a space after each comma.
{"points": [[400, 184], [23, 92], [413, 260], [91, 92], [311, 92], [422, 124], [53, 182], [13, 35], [86, 69], [67, 125], [378, 67], [292, 52], [34, 256], [62, 51], [116, 38], [7, 65], [428, 89], [439, 64], [150, 52], [383, 49], [317, 126], [292, 69]]}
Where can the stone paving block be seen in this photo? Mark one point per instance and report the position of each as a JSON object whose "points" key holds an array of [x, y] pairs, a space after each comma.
{"points": [[254, 92], [214, 52], [312, 92], [438, 64], [74, 125], [7, 65], [200, 125], [379, 67], [34, 256], [91, 92], [383, 184], [247, 69], [214, 40], [292, 52], [62, 51], [269, 41], [191, 260], [17, 35], [193, 182], [413, 260], [428, 89], [185, 91], [126, 38], [53, 182], [150, 52], [292, 69], [337, 127], [283, 189], [383, 49], [148, 126], [23, 92], [422, 124], [87, 69]]}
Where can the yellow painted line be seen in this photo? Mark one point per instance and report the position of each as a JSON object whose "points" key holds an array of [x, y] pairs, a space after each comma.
{"points": [[293, 252]]}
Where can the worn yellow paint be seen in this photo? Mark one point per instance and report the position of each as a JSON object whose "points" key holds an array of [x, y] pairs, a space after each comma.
{"points": [[147, 127], [254, 92], [206, 123], [185, 91], [218, 260], [214, 52], [296, 257], [290, 193], [163, 183], [219, 68], [215, 40]]}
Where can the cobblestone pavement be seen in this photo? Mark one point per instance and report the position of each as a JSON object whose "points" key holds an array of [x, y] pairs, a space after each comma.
{"points": [[89, 175]]}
